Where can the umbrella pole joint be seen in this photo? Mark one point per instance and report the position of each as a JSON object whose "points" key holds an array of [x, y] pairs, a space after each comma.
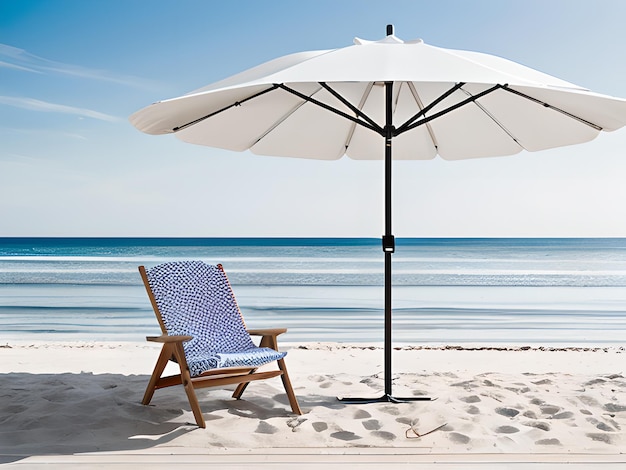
{"points": [[389, 243]]}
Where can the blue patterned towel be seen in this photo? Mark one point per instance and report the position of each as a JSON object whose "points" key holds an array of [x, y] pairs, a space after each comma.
{"points": [[196, 299]]}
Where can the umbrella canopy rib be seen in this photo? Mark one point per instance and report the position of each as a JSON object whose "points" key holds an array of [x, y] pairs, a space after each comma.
{"points": [[546, 105], [375, 128], [364, 98], [420, 104], [236, 103], [424, 110], [495, 120], [356, 110], [283, 118], [425, 120]]}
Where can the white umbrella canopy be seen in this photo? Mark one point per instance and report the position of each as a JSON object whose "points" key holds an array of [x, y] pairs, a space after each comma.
{"points": [[363, 99], [459, 113]]}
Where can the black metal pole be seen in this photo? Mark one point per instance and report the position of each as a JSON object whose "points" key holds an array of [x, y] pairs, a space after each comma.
{"points": [[388, 239]]}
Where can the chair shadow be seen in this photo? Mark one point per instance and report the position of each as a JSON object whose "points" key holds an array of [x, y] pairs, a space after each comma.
{"points": [[42, 414], [67, 413]]}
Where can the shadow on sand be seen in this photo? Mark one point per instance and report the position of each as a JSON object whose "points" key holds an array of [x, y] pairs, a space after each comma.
{"points": [[63, 414]]}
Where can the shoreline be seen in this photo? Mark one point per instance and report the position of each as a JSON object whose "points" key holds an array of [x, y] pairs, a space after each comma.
{"points": [[38, 356]]}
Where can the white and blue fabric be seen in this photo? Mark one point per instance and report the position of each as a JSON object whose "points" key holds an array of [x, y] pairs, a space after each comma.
{"points": [[196, 299]]}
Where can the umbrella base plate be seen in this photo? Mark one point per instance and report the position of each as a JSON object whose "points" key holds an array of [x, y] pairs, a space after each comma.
{"points": [[386, 398]]}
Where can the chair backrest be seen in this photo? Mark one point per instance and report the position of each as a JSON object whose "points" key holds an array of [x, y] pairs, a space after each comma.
{"points": [[196, 299]]}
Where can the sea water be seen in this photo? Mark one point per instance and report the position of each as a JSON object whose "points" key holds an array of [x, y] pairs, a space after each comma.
{"points": [[550, 292]]}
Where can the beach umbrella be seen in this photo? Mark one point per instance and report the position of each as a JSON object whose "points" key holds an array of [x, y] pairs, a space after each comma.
{"points": [[386, 99]]}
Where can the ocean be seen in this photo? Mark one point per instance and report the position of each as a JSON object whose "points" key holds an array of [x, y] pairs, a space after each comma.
{"points": [[551, 292]]}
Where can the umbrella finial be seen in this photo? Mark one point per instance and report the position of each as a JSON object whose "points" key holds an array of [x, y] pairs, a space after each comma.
{"points": [[389, 30]]}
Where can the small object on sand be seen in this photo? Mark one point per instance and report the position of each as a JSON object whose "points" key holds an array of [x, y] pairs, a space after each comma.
{"points": [[418, 435]]}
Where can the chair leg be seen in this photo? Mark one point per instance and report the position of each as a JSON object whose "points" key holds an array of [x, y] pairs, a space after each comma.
{"points": [[240, 389], [164, 357], [179, 352], [267, 341], [293, 401], [270, 341]]}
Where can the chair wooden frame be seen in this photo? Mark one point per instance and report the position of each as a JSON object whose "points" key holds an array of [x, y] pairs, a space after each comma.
{"points": [[172, 350]]}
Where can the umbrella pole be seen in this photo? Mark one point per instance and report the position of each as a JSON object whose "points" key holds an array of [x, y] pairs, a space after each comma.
{"points": [[389, 243], [389, 246]]}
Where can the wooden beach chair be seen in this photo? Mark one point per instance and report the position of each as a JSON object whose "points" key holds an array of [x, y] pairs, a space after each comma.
{"points": [[204, 332]]}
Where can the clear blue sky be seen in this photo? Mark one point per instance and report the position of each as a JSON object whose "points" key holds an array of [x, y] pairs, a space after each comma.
{"points": [[72, 71]]}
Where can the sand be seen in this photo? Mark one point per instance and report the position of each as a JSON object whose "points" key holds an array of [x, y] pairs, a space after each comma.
{"points": [[73, 399]]}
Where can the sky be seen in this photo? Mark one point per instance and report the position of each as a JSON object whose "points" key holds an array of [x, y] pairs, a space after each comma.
{"points": [[72, 71]]}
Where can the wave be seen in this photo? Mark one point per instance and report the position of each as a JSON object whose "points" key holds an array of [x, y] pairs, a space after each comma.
{"points": [[313, 258], [354, 324], [339, 280]]}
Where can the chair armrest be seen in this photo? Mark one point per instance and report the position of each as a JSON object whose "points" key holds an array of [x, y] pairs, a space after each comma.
{"points": [[267, 331], [269, 336], [168, 338]]}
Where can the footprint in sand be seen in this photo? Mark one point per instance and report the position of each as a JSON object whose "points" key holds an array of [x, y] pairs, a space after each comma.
{"points": [[507, 430], [473, 410], [606, 438], [446, 374], [604, 427], [508, 412], [459, 438], [543, 382], [361, 414], [600, 425], [326, 384], [404, 420], [468, 384], [549, 409], [537, 424], [470, 399], [614, 407], [387, 436], [589, 401], [594, 382], [345, 436], [266, 428], [320, 426], [548, 442], [372, 425], [392, 410], [563, 415], [370, 381]]}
